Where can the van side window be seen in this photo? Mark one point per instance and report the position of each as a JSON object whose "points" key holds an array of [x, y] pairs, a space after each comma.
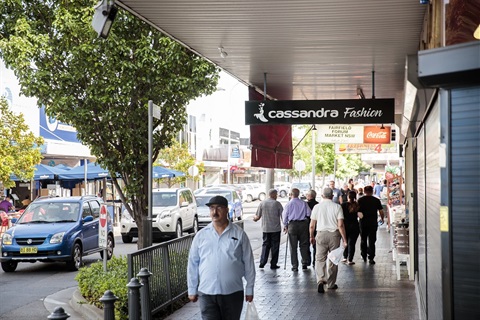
{"points": [[95, 209], [86, 211], [188, 196], [182, 198]]}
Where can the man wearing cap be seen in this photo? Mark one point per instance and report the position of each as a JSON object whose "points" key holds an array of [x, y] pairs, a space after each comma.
{"points": [[219, 257], [271, 211], [327, 219], [295, 219]]}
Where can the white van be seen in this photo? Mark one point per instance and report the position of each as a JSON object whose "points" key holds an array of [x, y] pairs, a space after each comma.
{"points": [[174, 211]]}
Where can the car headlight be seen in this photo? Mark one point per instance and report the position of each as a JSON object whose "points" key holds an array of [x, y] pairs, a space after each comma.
{"points": [[57, 237], [166, 214], [7, 239], [126, 215]]}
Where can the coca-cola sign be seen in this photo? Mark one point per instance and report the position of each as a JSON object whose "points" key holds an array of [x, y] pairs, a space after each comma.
{"points": [[376, 134]]}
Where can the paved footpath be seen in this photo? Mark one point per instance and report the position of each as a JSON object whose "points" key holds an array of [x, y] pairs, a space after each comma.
{"points": [[365, 291]]}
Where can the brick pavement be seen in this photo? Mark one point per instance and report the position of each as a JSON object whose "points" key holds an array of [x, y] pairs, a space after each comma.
{"points": [[366, 292]]}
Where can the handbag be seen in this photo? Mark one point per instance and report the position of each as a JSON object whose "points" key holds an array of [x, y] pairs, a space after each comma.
{"points": [[251, 313], [336, 255]]}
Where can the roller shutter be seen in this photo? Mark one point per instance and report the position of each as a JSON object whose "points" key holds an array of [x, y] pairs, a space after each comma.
{"points": [[465, 212]]}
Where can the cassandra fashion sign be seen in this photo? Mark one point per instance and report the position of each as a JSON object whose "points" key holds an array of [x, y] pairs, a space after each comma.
{"points": [[358, 111]]}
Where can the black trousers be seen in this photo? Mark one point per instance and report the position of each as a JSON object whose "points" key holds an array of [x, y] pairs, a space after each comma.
{"points": [[271, 241], [368, 236], [352, 236], [221, 307]]}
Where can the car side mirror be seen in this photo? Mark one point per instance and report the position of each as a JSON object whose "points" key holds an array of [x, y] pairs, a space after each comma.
{"points": [[87, 219], [184, 204], [14, 220]]}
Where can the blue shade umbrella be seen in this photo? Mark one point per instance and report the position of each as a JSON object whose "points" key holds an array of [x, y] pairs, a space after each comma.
{"points": [[63, 166], [161, 172], [94, 171], [44, 172]]}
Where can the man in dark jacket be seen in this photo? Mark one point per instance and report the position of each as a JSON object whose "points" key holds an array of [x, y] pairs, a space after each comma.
{"points": [[369, 206]]}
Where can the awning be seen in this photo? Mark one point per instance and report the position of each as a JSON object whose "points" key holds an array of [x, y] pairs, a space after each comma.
{"points": [[271, 144]]}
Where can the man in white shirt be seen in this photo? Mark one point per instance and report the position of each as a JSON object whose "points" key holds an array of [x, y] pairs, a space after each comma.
{"points": [[327, 219], [219, 257]]}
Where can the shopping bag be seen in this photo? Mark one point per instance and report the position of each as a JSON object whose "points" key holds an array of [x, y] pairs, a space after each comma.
{"points": [[336, 255], [251, 313]]}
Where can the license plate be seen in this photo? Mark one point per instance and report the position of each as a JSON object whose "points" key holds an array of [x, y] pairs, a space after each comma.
{"points": [[28, 250]]}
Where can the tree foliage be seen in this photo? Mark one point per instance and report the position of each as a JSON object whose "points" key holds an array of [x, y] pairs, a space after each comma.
{"points": [[102, 87], [179, 158], [348, 165], [19, 148]]}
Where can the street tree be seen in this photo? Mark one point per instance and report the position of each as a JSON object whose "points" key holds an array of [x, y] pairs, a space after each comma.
{"points": [[19, 147], [102, 87], [348, 165], [178, 157]]}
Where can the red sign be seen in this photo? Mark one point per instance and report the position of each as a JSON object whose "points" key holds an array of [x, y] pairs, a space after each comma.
{"points": [[103, 216], [377, 135]]}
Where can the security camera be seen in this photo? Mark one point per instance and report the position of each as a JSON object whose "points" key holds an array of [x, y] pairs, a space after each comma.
{"points": [[103, 18]]}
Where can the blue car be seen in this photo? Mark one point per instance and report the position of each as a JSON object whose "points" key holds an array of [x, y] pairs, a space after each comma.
{"points": [[57, 229]]}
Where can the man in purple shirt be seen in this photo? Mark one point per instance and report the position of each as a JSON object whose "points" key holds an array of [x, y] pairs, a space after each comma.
{"points": [[5, 205], [296, 221]]}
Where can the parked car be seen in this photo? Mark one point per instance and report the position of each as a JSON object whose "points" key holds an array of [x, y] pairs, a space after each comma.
{"points": [[282, 189], [174, 210], [235, 208], [56, 229], [253, 191], [304, 187]]}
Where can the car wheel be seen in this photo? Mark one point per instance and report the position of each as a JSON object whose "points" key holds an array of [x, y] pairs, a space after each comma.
{"points": [[127, 239], [249, 198], [283, 194], [261, 196], [9, 266], [194, 229], [109, 248], [76, 262], [178, 230]]}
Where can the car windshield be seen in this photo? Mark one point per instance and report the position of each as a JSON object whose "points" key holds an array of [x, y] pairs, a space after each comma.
{"points": [[164, 199], [301, 186], [226, 194], [201, 201], [50, 212]]}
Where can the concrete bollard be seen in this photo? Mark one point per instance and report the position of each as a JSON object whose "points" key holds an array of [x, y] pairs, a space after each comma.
{"points": [[108, 301], [59, 314], [134, 299], [144, 275]]}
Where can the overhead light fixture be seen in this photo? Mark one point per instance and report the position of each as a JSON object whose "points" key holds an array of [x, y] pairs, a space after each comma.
{"points": [[223, 53], [103, 17], [382, 127], [360, 94], [314, 128]]}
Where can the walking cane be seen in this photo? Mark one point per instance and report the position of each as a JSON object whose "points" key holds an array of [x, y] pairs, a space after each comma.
{"points": [[286, 252]]}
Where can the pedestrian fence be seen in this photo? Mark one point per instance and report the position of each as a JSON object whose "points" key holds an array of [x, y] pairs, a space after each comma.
{"points": [[162, 270]]}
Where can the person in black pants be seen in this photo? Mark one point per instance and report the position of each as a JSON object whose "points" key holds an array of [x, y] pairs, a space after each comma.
{"points": [[369, 206], [311, 201], [352, 228]]}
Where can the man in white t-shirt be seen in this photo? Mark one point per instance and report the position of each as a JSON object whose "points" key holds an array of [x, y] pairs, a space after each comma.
{"points": [[327, 219]]}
